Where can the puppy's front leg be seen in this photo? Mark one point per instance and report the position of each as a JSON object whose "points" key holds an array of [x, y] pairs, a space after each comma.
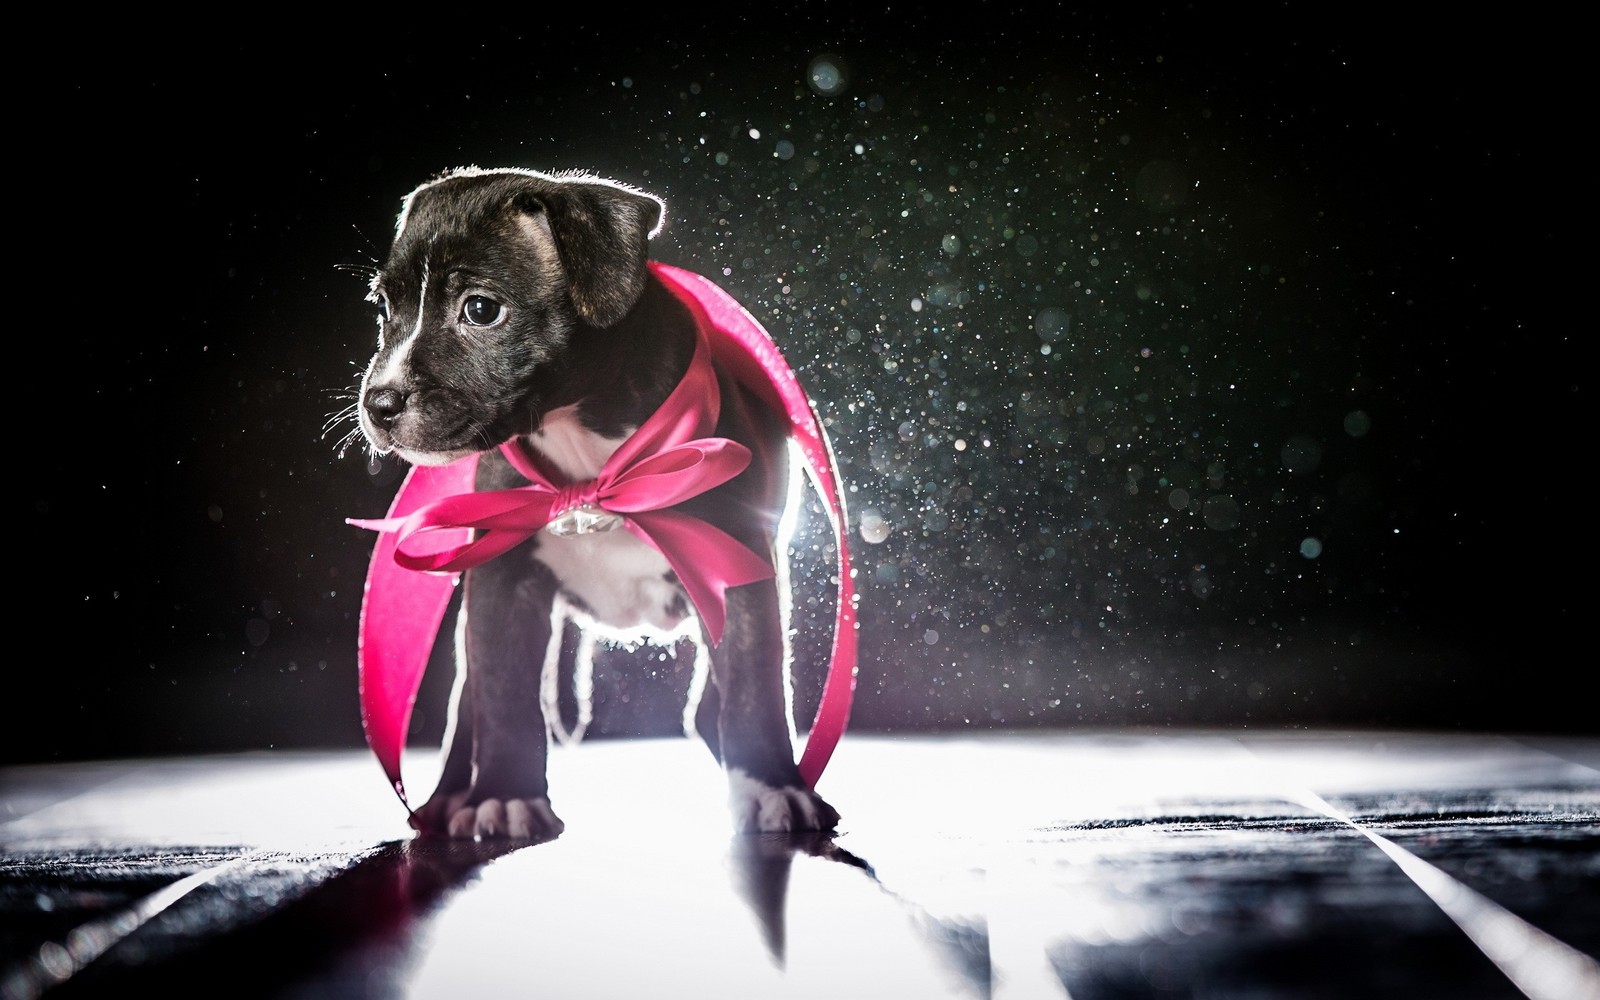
{"points": [[765, 792], [499, 722]]}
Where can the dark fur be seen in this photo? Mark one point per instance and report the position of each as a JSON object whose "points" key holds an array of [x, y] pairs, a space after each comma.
{"points": [[586, 326]]}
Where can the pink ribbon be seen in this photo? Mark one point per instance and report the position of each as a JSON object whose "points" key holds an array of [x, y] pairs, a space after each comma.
{"points": [[428, 536]]}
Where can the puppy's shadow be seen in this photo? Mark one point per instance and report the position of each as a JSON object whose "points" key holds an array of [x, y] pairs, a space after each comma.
{"points": [[361, 926], [762, 864]]}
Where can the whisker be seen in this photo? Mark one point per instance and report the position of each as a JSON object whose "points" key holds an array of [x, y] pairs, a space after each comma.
{"points": [[348, 413], [373, 250], [338, 417], [354, 436]]}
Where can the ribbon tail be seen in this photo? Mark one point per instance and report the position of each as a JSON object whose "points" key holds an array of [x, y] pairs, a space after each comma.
{"points": [[707, 560], [401, 611], [838, 691], [741, 344]]}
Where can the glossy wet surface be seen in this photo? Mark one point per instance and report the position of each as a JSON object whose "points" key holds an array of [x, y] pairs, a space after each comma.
{"points": [[1089, 865]]}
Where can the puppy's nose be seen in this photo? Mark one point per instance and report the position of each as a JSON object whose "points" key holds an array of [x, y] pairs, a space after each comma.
{"points": [[384, 406]]}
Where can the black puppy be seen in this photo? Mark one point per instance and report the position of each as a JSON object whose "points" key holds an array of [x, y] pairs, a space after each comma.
{"points": [[519, 305]]}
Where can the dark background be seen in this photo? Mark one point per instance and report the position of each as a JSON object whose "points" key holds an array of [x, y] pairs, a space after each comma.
{"points": [[1305, 449]]}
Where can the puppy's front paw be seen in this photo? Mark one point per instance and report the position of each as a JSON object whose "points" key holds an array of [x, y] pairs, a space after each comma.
{"points": [[516, 819], [762, 808], [519, 819]]}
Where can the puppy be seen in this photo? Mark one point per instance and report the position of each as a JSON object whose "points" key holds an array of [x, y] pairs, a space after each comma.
{"points": [[517, 306]]}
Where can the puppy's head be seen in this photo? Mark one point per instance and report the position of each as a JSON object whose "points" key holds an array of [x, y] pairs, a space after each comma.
{"points": [[491, 275]]}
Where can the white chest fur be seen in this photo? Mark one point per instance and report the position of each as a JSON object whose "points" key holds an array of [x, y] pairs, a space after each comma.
{"points": [[621, 580]]}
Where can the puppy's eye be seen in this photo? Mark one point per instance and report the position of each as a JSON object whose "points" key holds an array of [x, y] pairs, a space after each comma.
{"points": [[480, 310], [382, 302]]}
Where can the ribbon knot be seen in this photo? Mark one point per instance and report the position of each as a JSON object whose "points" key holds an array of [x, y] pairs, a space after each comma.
{"points": [[577, 511], [569, 498]]}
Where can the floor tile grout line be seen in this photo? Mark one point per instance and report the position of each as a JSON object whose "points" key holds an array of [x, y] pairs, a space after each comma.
{"points": [[1540, 965], [53, 963]]}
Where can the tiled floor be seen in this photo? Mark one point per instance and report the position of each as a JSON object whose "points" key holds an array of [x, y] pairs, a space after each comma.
{"points": [[1105, 864]]}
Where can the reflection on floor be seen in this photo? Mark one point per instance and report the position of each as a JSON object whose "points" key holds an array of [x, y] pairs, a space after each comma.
{"points": [[1087, 865]]}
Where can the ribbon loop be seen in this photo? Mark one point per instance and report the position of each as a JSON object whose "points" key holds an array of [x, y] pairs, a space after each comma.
{"points": [[671, 477]]}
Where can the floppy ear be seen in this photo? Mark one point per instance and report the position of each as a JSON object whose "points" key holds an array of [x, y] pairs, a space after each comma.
{"points": [[602, 232]]}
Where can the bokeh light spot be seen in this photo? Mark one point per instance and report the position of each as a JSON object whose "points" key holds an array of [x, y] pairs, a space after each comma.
{"points": [[1052, 325], [827, 74], [874, 529]]}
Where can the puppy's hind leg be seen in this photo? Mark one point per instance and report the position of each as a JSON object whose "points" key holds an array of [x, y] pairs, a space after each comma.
{"points": [[765, 792]]}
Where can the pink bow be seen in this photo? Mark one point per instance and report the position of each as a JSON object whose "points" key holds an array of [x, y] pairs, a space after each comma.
{"points": [[707, 559]]}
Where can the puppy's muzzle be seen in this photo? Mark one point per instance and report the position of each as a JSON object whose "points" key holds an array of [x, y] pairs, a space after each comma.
{"points": [[384, 406]]}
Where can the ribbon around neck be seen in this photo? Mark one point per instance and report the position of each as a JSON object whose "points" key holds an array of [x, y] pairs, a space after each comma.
{"points": [[438, 526], [651, 472]]}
